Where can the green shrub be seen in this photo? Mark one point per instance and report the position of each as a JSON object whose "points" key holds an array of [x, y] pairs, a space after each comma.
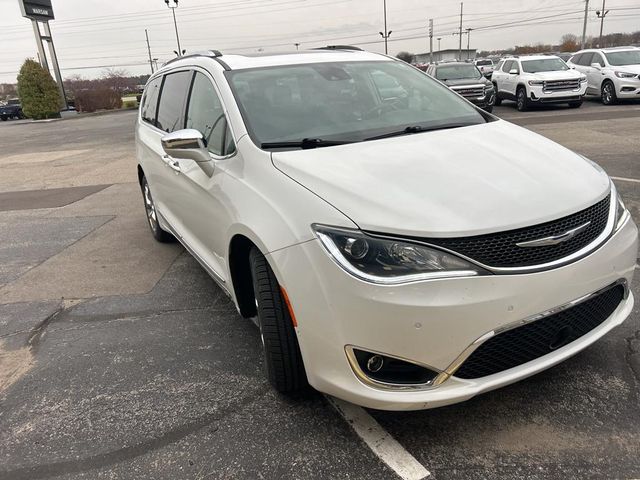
{"points": [[38, 92], [129, 104]]}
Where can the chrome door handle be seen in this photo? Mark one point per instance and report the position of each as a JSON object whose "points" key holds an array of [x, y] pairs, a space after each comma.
{"points": [[174, 164]]}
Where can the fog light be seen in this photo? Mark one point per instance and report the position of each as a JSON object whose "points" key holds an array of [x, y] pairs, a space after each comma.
{"points": [[377, 368], [375, 363]]}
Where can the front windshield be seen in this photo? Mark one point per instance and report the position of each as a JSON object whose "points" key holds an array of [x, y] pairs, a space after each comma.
{"points": [[626, 57], [457, 72], [343, 101], [544, 65]]}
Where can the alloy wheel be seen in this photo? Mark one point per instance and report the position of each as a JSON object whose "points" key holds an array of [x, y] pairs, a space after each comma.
{"points": [[150, 208], [607, 93]]}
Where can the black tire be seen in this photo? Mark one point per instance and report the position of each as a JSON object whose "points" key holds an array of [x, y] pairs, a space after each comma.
{"points": [[522, 102], [498, 101], [158, 233], [608, 93], [577, 104], [3, 118], [281, 350]]}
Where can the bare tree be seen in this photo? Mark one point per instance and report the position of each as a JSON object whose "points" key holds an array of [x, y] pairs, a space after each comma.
{"points": [[569, 43]]}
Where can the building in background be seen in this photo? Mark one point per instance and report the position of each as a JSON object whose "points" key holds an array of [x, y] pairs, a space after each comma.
{"points": [[448, 54]]}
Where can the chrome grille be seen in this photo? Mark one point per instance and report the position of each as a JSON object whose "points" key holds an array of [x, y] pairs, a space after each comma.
{"points": [[561, 85], [469, 92], [500, 249]]}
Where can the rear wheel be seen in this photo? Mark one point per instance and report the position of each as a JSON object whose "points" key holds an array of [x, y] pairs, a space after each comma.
{"points": [[281, 350], [577, 104], [608, 93], [522, 103], [152, 214]]}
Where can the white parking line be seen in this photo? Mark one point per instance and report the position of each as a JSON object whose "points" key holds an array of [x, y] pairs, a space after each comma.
{"points": [[623, 179], [380, 441]]}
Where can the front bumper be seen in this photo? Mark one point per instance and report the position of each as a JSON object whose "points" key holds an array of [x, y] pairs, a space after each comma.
{"points": [[433, 322], [627, 88], [537, 93]]}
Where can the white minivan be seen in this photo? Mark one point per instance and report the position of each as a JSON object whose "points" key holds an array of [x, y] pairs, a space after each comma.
{"points": [[400, 247]]}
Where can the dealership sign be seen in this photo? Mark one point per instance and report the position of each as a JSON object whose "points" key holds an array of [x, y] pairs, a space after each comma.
{"points": [[37, 9]]}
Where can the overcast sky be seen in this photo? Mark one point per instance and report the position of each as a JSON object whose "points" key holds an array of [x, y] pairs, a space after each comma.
{"points": [[98, 33]]}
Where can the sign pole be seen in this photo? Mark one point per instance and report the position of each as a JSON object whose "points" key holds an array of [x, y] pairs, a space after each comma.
{"points": [[56, 67], [43, 57]]}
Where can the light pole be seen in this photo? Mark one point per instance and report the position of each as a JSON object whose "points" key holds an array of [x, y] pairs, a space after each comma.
{"points": [[386, 33], [439, 38], [297, 46], [601, 14], [175, 24]]}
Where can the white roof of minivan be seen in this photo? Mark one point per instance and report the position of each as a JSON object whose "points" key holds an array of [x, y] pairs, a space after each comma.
{"points": [[239, 62]]}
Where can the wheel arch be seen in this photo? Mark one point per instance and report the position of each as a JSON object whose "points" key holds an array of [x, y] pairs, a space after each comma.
{"points": [[140, 174]]}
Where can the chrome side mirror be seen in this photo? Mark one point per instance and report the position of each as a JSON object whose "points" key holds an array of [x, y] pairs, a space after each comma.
{"points": [[513, 71], [187, 143]]}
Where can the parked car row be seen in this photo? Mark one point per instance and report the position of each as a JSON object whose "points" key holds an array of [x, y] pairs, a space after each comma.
{"points": [[608, 73]]}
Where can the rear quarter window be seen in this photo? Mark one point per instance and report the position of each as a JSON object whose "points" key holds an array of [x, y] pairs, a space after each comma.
{"points": [[150, 101]]}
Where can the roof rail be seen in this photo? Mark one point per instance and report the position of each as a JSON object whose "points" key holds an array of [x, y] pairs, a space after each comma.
{"points": [[203, 53], [339, 47]]}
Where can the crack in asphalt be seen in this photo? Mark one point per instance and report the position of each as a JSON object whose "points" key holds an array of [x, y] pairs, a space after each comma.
{"points": [[127, 453], [36, 333], [631, 352]]}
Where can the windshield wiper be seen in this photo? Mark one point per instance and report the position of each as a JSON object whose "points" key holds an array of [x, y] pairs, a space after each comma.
{"points": [[418, 129], [305, 143]]}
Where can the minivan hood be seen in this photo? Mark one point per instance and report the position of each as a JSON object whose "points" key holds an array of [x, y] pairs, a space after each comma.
{"points": [[465, 181]]}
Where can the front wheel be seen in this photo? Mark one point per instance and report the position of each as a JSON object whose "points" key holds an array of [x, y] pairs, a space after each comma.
{"points": [[608, 93], [522, 103], [280, 347], [497, 101], [3, 118], [152, 215]]}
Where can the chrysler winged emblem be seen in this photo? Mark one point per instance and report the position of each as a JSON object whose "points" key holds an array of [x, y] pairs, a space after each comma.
{"points": [[555, 239]]}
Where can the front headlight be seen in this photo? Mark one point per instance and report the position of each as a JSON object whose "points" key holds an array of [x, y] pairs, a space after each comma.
{"points": [[583, 79], [390, 261], [625, 75], [621, 212], [536, 82]]}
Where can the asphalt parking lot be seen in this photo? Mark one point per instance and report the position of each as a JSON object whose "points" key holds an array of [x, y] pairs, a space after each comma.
{"points": [[120, 358]]}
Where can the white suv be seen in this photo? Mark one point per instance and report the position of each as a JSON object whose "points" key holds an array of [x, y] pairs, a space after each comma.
{"points": [[387, 261], [612, 73], [536, 79]]}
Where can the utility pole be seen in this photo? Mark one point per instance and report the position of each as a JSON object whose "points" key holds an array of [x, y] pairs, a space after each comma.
{"points": [[601, 14], [468, 30], [386, 33], [431, 40], [460, 33], [584, 25], [146, 34], [175, 23], [439, 38]]}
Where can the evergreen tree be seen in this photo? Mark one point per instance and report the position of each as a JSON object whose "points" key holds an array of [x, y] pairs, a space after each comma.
{"points": [[37, 91]]}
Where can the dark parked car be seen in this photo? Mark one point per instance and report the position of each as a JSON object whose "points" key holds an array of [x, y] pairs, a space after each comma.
{"points": [[466, 80], [11, 110]]}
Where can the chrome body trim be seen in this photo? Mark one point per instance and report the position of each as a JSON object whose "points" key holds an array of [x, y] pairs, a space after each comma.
{"points": [[466, 353], [370, 382]]}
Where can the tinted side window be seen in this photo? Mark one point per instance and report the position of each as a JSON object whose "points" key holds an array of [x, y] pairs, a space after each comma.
{"points": [[597, 58], [585, 59], [172, 100], [150, 101], [206, 115], [507, 66], [576, 59]]}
